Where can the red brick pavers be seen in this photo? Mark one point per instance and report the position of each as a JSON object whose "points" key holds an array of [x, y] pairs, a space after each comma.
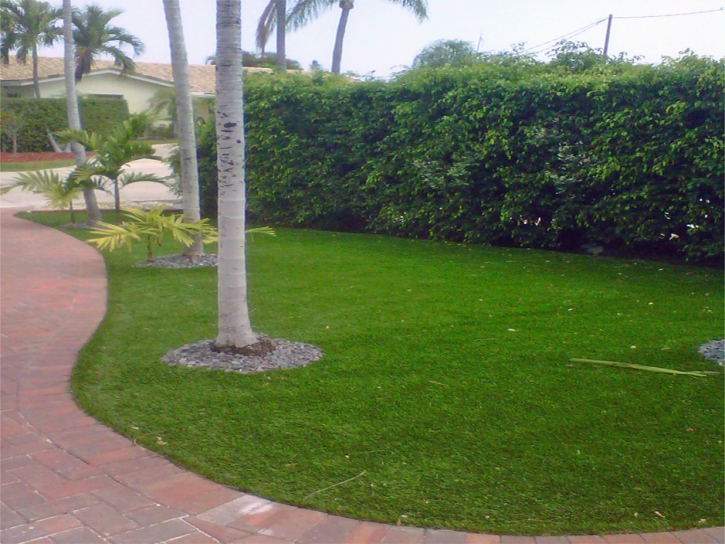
{"points": [[68, 479]]}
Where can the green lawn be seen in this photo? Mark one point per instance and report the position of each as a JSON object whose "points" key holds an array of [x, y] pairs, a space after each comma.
{"points": [[446, 380], [150, 141], [35, 165]]}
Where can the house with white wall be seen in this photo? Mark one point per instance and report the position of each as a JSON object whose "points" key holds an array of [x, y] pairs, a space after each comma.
{"points": [[106, 80]]}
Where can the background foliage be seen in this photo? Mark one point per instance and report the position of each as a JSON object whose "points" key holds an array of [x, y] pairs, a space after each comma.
{"points": [[508, 151], [38, 116]]}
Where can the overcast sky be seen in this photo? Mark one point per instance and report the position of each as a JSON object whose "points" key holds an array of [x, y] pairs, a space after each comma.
{"points": [[383, 37]]}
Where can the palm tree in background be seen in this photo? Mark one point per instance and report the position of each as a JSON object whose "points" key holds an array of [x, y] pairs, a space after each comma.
{"points": [[95, 37], [27, 25], [274, 16], [93, 213], [306, 10], [185, 122]]}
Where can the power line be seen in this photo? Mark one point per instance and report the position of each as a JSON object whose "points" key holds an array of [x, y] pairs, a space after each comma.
{"points": [[535, 49], [670, 14], [567, 35], [550, 48]]}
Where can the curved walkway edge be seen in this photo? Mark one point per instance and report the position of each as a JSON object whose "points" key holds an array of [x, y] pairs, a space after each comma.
{"points": [[68, 479]]}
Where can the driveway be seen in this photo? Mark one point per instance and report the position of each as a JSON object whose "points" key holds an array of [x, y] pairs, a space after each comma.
{"points": [[132, 194]]}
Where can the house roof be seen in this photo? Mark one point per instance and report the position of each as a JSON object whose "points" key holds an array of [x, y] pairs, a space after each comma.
{"points": [[201, 77]]}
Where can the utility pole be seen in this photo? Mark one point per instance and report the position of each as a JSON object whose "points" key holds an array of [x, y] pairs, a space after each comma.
{"points": [[606, 39]]}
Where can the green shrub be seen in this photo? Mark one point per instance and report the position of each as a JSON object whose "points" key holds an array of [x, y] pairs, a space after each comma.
{"points": [[515, 154], [41, 115]]}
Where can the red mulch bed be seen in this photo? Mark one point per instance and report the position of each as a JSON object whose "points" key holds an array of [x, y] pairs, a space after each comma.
{"points": [[33, 157], [6, 156]]}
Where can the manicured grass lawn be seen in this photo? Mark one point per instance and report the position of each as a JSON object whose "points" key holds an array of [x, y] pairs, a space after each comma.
{"points": [[446, 380], [35, 165], [158, 141]]}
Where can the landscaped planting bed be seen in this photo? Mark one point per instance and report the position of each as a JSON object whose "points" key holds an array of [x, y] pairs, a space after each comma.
{"points": [[446, 393]]}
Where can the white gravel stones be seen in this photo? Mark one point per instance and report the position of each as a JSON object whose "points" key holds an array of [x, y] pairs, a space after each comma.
{"points": [[180, 261], [285, 355], [714, 350]]}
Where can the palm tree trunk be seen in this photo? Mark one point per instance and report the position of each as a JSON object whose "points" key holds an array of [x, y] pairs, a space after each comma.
{"points": [[281, 35], [184, 121], [235, 328], [93, 214], [117, 200], [346, 6], [36, 85]]}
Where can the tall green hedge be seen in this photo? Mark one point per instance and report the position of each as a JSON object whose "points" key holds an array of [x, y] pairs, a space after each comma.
{"points": [[629, 156], [40, 115]]}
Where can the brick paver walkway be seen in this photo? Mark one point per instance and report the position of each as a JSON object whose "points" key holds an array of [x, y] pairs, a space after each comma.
{"points": [[68, 479]]}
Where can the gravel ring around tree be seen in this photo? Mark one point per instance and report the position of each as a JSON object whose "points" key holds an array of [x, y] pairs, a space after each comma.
{"points": [[180, 261], [285, 355], [714, 350]]}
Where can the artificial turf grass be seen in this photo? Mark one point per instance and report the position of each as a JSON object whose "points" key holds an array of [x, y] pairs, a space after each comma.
{"points": [[457, 421]]}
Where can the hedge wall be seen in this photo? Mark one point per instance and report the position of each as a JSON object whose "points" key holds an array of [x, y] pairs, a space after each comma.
{"points": [[40, 115], [629, 156]]}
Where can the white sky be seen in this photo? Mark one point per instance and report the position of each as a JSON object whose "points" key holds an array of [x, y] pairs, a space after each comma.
{"points": [[383, 37]]}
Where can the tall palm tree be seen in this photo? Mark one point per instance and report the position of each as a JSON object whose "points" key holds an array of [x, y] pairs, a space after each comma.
{"points": [[26, 26], [94, 37], [274, 16], [235, 327], [185, 121], [93, 213], [306, 10]]}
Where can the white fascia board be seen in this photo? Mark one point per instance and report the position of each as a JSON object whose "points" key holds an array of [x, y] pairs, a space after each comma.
{"points": [[27, 83]]}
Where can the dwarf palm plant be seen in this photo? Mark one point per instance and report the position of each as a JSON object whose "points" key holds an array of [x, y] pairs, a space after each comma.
{"points": [[112, 153], [59, 193], [152, 226]]}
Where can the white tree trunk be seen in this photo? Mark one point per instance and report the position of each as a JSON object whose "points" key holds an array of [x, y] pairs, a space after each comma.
{"points": [[235, 328], [93, 214], [184, 120]]}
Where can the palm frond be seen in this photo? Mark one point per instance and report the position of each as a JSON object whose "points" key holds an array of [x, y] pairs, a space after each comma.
{"points": [[180, 231], [266, 25], [87, 173], [269, 231], [90, 140], [152, 224], [306, 11], [418, 7], [34, 182], [112, 237], [60, 197], [135, 177], [58, 193]]}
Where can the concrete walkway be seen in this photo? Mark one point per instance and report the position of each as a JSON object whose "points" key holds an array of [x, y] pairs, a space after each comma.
{"points": [[131, 195], [68, 479]]}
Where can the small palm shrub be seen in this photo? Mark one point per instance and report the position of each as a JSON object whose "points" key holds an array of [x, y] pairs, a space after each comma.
{"points": [[59, 193], [152, 226]]}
